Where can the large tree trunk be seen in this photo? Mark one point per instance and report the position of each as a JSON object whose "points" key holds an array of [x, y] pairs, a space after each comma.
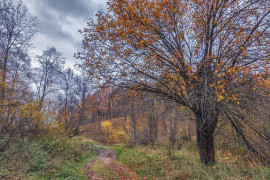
{"points": [[205, 126]]}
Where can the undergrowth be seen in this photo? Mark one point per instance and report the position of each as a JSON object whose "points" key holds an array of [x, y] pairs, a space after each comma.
{"points": [[153, 163], [43, 158]]}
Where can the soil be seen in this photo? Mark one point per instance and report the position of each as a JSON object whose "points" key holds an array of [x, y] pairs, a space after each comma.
{"points": [[109, 157]]}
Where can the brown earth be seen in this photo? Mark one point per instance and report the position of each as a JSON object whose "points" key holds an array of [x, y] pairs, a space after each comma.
{"points": [[109, 158]]}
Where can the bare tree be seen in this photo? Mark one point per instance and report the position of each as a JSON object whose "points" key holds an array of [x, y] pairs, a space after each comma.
{"points": [[17, 29], [47, 75], [67, 86], [82, 92], [152, 104]]}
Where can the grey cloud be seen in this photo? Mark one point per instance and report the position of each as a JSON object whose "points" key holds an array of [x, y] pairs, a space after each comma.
{"points": [[78, 8], [51, 27], [59, 21]]}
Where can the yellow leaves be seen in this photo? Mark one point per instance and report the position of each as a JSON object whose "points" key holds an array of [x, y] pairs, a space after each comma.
{"points": [[105, 125], [112, 133], [220, 97], [148, 27]]}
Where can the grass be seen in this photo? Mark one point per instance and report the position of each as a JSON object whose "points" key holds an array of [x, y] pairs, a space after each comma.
{"points": [[153, 163], [73, 169], [43, 158], [103, 171], [47, 158]]}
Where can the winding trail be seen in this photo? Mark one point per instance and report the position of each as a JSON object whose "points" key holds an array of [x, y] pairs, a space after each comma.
{"points": [[109, 157]]}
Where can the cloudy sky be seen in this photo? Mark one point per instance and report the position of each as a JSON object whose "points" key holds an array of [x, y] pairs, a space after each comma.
{"points": [[59, 21]]}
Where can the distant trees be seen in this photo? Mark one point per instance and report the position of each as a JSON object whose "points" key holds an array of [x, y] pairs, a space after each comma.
{"points": [[67, 85], [48, 73], [209, 56], [17, 29], [83, 91], [28, 99], [152, 104], [74, 93]]}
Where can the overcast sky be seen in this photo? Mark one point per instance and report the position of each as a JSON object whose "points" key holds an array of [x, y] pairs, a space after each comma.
{"points": [[59, 21]]}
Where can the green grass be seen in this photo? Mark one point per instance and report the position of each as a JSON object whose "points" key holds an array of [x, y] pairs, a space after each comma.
{"points": [[44, 158], [48, 158], [72, 169], [154, 163], [103, 171]]}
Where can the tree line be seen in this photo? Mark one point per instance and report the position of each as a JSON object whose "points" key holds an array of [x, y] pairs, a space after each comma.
{"points": [[37, 92]]}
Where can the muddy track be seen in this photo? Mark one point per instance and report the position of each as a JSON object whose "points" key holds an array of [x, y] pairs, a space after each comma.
{"points": [[109, 156]]}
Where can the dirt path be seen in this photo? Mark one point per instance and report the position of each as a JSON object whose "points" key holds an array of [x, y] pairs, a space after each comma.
{"points": [[109, 158]]}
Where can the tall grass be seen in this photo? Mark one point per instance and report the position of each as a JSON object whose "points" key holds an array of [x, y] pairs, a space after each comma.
{"points": [[153, 163]]}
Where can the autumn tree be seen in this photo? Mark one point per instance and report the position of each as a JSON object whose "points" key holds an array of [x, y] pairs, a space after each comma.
{"points": [[206, 55]]}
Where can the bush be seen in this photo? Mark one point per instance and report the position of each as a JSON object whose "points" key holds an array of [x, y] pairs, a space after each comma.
{"points": [[112, 133]]}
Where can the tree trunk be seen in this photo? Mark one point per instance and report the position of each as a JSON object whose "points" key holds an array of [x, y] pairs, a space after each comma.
{"points": [[133, 123], [4, 77], [172, 134], [125, 114], [153, 126], [205, 126], [81, 111], [66, 121], [189, 130], [164, 125]]}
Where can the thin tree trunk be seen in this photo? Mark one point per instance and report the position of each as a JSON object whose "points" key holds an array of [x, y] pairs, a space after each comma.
{"points": [[164, 124], [133, 123], [189, 130], [4, 77], [125, 114], [66, 121], [82, 111], [153, 126], [172, 135]]}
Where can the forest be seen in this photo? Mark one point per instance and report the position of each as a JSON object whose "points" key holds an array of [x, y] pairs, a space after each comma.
{"points": [[162, 89]]}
